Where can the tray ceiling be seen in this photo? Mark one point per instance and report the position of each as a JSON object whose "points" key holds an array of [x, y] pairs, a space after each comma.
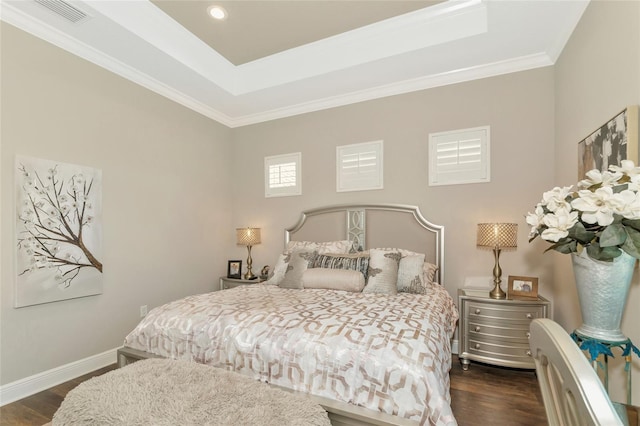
{"points": [[273, 59]]}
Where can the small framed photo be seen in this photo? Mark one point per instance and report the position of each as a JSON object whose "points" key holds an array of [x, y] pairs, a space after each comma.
{"points": [[234, 269], [523, 287]]}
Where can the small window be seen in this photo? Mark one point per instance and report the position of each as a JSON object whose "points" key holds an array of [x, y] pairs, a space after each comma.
{"points": [[282, 175], [459, 156], [359, 166]]}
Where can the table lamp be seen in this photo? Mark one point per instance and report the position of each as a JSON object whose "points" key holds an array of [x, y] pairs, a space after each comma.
{"points": [[248, 237], [497, 236]]}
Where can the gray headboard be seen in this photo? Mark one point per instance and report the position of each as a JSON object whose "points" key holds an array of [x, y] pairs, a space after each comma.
{"points": [[373, 225]]}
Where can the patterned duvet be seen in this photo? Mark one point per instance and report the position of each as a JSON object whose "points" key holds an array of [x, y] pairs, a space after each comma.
{"points": [[387, 353]]}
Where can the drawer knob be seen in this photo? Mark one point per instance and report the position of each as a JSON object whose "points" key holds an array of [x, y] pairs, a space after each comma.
{"points": [[477, 311], [529, 316], [477, 345], [477, 328], [528, 335], [528, 353]]}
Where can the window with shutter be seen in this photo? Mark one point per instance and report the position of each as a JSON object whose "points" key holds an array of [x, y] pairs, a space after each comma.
{"points": [[359, 166], [282, 175], [459, 156]]}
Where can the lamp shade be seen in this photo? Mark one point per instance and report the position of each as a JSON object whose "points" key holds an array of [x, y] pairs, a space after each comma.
{"points": [[248, 236], [498, 235]]}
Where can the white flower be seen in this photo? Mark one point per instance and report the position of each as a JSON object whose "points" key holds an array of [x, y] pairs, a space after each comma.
{"points": [[627, 167], [595, 177], [558, 224], [627, 204], [556, 198], [596, 207], [634, 183], [535, 219]]}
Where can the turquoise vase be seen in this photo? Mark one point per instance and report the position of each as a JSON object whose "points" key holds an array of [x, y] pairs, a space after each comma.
{"points": [[603, 288]]}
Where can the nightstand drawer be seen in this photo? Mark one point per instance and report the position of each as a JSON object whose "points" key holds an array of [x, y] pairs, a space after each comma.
{"points": [[496, 314], [479, 330], [490, 348]]}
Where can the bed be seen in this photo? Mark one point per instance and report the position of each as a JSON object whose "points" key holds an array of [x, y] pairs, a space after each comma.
{"points": [[337, 321]]}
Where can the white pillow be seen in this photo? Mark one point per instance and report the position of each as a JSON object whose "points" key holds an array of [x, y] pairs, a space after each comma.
{"points": [[333, 279], [279, 270], [298, 263], [411, 274], [325, 247], [383, 272]]}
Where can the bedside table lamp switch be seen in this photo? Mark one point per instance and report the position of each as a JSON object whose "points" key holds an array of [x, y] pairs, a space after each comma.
{"points": [[497, 236], [248, 237]]}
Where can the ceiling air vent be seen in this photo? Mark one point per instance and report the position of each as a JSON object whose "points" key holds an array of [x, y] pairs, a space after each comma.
{"points": [[64, 9]]}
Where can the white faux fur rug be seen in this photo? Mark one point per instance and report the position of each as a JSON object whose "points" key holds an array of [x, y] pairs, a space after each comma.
{"points": [[167, 392]]}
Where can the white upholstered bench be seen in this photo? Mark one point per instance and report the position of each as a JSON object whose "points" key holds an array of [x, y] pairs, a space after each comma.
{"points": [[168, 392]]}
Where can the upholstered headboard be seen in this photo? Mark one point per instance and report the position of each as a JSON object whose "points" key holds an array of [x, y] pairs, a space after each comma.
{"points": [[373, 225]]}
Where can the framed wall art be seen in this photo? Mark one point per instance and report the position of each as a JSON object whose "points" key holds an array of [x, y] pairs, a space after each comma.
{"points": [[614, 141], [522, 287], [234, 269], [58, 231]]}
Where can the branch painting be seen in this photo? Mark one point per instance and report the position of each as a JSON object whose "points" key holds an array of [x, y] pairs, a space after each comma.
{"points": [[58, 231]]}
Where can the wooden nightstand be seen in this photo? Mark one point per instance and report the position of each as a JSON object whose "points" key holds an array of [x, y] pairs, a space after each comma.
{"points": [[497, 331], [226, 283]]}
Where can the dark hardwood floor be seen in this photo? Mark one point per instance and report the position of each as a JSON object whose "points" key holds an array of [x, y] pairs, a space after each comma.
{"points": [[483, 395]]}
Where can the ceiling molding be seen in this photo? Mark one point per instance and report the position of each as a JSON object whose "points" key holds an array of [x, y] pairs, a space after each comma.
{"points": [[398, 88], [451, 42]]}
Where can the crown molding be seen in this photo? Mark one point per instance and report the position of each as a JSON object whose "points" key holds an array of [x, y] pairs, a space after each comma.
{"points": [[72, 45], [422, 83]]}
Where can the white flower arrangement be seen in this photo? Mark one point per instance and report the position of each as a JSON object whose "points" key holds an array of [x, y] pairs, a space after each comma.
{"points": [[602, 214]]}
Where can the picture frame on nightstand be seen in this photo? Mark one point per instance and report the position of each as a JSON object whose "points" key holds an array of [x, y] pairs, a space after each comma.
{"points": [[522, 287], [234, 269]]}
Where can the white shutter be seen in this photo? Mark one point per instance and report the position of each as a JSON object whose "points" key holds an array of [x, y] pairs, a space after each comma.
{"points": [[460, 156], [282, 175], [359, 167]]}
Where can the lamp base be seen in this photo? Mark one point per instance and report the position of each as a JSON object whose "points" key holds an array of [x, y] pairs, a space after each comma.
{"points": [[249, 275], [497, 293]]}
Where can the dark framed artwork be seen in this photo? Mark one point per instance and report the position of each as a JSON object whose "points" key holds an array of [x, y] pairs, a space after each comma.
{"points": [[234, 269], [523, 287], [614, 141]]}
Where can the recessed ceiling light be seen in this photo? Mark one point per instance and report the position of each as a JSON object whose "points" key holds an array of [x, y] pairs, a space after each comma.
{"points": [[217, 12]]}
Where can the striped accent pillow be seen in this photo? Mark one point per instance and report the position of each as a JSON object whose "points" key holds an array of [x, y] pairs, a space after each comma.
{"points": [[355, 261]]}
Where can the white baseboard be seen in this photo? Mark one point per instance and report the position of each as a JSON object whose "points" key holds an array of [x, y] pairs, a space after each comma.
{"points": [[38, 382]]}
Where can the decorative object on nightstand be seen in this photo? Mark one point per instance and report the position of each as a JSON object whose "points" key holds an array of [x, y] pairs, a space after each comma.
{"points": [[264, 272], [497, 236], [522, 287], [497, 331], [234, 269], [248, 237]]}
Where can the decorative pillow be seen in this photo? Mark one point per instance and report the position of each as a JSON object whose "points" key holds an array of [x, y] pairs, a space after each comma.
{"points": [[298, 263], [333, 279], [429, 272], [279, 270], [326, 247], [383, 272], [411, 274], [355, 261]]}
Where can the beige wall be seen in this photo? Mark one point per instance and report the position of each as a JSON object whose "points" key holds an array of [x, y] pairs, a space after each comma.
{"points": [[166, 191], [171, 178], [519, 109], [597, 75]]}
